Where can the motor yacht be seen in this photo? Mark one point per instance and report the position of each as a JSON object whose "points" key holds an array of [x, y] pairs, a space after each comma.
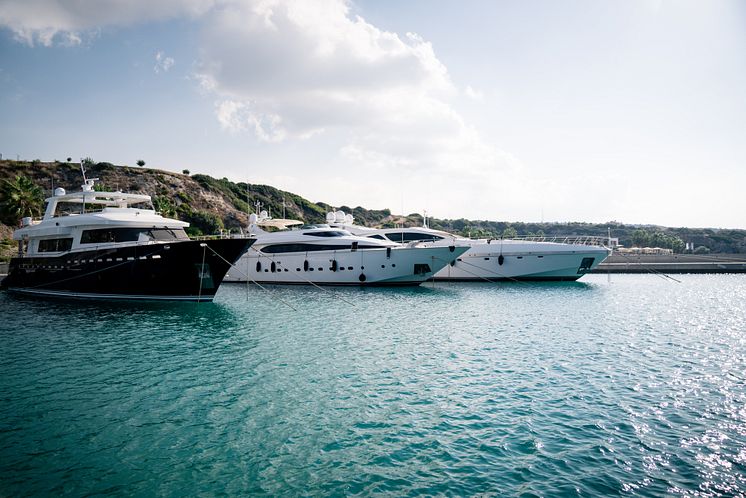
{"points": [[318, 254], [113, 245], [530, 258]]}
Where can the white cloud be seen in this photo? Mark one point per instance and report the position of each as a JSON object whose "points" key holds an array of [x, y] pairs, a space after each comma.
{"points": [[287, 70], [46, 22], [473, 94], [237, 117], [162, 62]]}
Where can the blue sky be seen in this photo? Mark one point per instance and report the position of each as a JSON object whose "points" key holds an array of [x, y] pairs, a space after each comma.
{"points": [[632, 111]]}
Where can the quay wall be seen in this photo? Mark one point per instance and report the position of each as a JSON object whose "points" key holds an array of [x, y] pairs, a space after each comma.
{"points": [[673, 263]]}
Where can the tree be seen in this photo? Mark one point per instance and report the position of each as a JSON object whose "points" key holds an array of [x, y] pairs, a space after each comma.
{"points": [[69, 159], [185, 171], [641, 238], [140, 163], [87, 162], [19, 198], [164, 206], [509, 233]]}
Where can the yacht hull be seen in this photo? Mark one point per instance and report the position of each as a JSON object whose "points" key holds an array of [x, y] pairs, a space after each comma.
{"points": [[175, 271], [485, 263], [400, 266]]}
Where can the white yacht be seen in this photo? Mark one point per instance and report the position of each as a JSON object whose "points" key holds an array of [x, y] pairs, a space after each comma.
{"points": [[113, 245], [319, 254], [530, 258]]}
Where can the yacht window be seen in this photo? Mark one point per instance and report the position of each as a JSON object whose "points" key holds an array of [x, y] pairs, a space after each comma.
{"points": [[412, 236], [379, 237], [329, 233], [282, 248], [105, 235], [421, 269], [55, 245]]}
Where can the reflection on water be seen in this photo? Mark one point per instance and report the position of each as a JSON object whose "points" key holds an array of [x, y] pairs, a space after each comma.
{"points": [[632, 384]]}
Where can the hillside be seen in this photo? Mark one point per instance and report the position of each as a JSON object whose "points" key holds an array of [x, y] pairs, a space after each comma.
{"points": [[211, 205]]}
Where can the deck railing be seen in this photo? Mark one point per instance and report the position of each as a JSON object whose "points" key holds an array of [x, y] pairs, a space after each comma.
{"points": [[584, 240]]}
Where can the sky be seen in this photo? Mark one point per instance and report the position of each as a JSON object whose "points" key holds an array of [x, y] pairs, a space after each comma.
{"points": [[582, 110]]}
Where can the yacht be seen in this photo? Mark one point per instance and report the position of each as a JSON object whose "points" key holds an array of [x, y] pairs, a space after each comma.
{"points": [[530, 258], [321, 255], [113, 245]]}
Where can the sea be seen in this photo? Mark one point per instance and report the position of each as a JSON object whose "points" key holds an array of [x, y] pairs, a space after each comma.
{"points": [[631, 385]]}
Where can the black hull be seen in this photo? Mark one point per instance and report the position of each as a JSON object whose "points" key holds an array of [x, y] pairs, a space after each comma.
{"points": [[172, 271]]}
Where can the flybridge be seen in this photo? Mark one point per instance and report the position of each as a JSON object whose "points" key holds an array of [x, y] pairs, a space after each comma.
{"points": [[91, 197]]}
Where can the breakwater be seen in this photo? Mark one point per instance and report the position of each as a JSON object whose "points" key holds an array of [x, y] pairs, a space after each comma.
{"points": [[673, 263]]}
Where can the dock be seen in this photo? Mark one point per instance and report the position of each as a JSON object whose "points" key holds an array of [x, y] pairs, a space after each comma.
{"points": [[673, 263]]}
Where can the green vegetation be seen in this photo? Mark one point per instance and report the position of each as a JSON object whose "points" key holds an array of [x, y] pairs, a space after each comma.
{"points": [[644, 238], [140, 163], [203, 223], [211, 204], [19, 198]]}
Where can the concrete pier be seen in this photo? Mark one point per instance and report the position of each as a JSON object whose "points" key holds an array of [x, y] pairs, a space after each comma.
{"points": [[673, 263]]}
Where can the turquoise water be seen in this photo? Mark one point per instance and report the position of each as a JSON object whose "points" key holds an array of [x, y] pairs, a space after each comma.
{"points": [[634, 386]]}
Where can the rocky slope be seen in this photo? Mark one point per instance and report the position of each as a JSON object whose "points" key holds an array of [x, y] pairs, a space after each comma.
{"points": [[212, 205]]}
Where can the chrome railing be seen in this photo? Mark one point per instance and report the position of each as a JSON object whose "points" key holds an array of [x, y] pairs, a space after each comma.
{"points": [[583, 240]]}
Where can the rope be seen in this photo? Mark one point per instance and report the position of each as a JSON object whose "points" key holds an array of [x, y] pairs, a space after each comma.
{"points": [[249, 279], [306, 280], [512, 279], [201, 271], [651, 270]]}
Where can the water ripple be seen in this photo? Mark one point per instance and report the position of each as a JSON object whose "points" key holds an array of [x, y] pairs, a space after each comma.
{"points": [[634, 386]]}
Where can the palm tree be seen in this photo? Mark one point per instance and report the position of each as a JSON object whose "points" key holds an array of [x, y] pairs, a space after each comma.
{"points": [[20, 197]]}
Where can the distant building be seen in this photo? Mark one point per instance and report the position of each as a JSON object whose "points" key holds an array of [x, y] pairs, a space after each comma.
{"points": [[645, 250]]}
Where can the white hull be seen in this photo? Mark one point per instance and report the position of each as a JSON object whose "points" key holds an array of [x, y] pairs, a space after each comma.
{"points": [[524, 261], [398, 266]]}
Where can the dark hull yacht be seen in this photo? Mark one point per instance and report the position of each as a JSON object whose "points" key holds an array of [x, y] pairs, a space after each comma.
{"points": [[106, 245]]}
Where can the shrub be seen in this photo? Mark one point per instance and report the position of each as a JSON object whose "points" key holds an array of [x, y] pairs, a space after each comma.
{"points": [[140, 163]]}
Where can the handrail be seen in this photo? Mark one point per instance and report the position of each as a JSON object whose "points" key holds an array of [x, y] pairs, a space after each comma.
{"points": [[585, 240]]}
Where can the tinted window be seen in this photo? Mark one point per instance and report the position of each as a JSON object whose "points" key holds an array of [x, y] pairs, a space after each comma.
{"points": [[328, 233], [105, 235], [421, 269], [411, 236], [281, 248], [55, 245]]}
